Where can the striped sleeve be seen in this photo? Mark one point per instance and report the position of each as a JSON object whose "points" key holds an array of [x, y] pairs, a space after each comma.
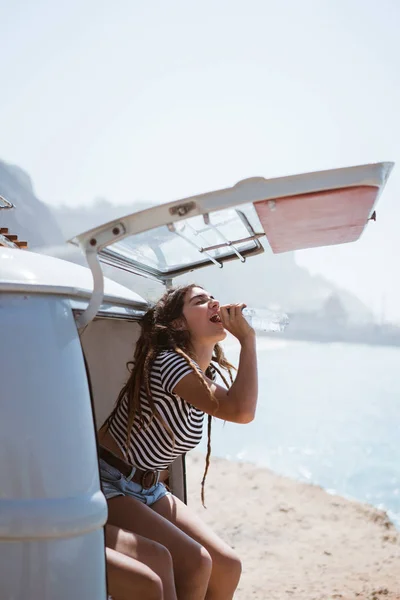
{"points": [[173, 367]]}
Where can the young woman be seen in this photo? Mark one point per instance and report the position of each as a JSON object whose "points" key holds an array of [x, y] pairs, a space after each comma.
{"points": [[159, 415]]}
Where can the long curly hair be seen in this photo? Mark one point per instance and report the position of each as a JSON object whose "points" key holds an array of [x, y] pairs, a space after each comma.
{"points": [[158, 334]]}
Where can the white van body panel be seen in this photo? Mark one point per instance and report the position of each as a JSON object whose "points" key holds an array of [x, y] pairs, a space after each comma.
{"points": [[51, 508], [60, 569], [36, 273]]}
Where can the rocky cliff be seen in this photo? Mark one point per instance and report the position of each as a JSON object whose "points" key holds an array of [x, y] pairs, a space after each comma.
{"points": [[32, 220]]}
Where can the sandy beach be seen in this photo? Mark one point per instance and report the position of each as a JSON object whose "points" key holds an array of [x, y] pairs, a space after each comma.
{"points": [[296, 540]]}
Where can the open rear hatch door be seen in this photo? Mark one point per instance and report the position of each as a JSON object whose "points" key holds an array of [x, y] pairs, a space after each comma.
{"points": [[287, 213]]}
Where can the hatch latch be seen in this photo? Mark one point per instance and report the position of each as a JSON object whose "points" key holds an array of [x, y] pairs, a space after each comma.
{"points": [[182, 209]]}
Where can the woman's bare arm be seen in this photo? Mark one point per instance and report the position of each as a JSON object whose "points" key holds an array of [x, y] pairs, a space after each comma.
{"points": [[238, 404]]}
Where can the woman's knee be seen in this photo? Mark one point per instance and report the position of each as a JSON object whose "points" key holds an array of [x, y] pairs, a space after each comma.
{"points": [[227, 567], [161, 556], [155, 591], [127, 577], [196, 565], [205, 563], [150, 588]]}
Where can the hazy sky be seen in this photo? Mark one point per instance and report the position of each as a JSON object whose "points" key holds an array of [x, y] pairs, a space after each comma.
{"points": [[158, 100]]}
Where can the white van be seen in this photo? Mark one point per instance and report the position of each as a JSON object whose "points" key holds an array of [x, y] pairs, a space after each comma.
{"points": [[66, 334]]}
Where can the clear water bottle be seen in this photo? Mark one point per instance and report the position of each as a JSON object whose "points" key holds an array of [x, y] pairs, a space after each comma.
{"points": [[263, 319]]}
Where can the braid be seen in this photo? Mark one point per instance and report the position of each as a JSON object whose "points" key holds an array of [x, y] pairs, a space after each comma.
{"points": [[208, 456], [220, 359], [223, 377], [209, 417], [199, 376]]}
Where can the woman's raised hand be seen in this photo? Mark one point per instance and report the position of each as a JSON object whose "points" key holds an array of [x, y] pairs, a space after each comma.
{"points": [[234, 321]]}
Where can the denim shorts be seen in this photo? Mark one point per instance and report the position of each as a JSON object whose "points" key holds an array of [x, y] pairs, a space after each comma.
{"points": [[113, 484]]}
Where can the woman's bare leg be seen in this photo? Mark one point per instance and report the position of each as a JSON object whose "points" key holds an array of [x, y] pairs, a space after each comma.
{"points": [[226, 565], [129, 578], [191, 561], [155, 556]]}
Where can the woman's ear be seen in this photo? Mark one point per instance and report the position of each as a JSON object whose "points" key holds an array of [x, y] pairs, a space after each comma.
{"points": [[179, 324]]}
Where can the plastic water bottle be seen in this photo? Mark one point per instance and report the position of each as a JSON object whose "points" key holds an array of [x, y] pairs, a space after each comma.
{"points": [[263, 319]]}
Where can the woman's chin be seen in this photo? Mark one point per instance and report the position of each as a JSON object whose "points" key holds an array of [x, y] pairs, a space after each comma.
{"points": [[215, 336], [221, 335]]}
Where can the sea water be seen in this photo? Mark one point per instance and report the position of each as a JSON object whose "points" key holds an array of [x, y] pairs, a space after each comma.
{"points": [[328, 414]]}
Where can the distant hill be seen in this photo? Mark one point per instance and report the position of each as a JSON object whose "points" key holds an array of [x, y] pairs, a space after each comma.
{"points": [[276, 280], [74, 220], [265, 280], [32, 220]]}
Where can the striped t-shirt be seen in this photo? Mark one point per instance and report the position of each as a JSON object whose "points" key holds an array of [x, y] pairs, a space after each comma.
{"points": [[151, 445]]}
